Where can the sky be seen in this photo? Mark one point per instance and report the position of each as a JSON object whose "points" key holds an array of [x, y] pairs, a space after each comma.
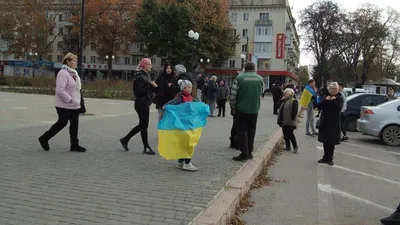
{"points": [[349, 5]]}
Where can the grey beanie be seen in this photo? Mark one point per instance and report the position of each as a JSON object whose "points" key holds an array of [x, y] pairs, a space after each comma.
{"points": [[184, 83], [180, 69]]}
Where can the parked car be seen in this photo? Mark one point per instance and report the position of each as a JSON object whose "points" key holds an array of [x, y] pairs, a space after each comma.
{"points": [[382, 121], [349, 91], [354, 104]]}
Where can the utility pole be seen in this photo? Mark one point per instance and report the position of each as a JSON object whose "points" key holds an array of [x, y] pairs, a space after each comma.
{"points": [[80, 44]]}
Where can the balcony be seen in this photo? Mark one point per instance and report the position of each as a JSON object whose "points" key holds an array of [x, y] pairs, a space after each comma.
{"points": [[264, 23]]}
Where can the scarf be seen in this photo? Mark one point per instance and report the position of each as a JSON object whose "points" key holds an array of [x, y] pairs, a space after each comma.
{"points": [[187, 97], [75, 75]]}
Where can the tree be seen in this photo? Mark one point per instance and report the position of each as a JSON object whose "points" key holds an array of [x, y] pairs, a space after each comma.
{"points": [[320, 23], [26, 25], [109, 26], [164, 26]]}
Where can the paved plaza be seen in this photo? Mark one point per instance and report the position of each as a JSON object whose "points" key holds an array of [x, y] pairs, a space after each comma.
{"points": [[106, 185]]}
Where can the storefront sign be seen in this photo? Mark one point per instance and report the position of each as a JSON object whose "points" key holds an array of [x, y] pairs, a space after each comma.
{"points": [[280, 46]]}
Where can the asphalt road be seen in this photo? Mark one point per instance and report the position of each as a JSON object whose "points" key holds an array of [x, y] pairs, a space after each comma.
{"points": [[362, 187], [106, 185]]}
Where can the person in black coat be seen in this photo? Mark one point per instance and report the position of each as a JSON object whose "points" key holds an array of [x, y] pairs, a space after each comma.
{"points": [[181, 72], [322, 92], [277, 95], [212, 91], [143, 88], [167, 88], [329, 125]]}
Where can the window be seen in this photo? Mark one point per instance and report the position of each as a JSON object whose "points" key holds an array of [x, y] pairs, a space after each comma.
{"points": [[263, 31], [153, 61], [50, 58], [137, 47], [67, 16], [128, 60], [244, 48], [233, 17], [245, 32], [51, 17], [59, 58], [93, 46], [264, 16], [136, 60], [245, 16], [60, 17], [117, 60], [263, 47], [231, 63], [60, 30], [92, 59], [234, 32], [59, 45]]}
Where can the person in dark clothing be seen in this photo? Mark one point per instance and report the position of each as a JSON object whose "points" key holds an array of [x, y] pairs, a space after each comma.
{"points": [[200, 82], [212, 91], [287, 119], [277, 95], [167, 88], [181, 72], [329, 127], [143, 89], [323, 91], [223, 93], [393, 219]]}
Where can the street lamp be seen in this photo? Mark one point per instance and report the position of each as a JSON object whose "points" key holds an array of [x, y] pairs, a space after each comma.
{"points": [[112, 57], [193, 36], [80, 43], [33, 55], [208, 60]]}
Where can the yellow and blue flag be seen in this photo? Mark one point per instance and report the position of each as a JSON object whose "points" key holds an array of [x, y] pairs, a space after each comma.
{"points": [[307, 95], [180, 129]]}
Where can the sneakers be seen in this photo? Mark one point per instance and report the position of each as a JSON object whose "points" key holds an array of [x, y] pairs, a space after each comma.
{"points": [[189, 167], [315, 133], [296, 150], [148, 151], [180, 165]]}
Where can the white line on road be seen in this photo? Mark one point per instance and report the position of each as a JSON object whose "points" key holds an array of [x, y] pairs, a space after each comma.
{"points": [[363, 157], [362, 173], [363, 146], [328, 189]]}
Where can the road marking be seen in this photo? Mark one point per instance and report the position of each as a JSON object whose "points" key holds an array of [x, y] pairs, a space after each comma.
{"points": [[19, 108], [362, 146], [362, 157], [362, 173], [328, 189]]}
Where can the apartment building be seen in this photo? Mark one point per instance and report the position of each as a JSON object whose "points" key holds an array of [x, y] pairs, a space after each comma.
{"points": [[268, 37]]}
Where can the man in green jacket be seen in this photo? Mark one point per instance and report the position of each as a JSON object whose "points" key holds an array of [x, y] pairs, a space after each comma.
{"points": [[245, 104]]}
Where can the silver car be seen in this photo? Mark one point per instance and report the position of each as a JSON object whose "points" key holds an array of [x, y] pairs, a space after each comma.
{"points": [[382, 121]]}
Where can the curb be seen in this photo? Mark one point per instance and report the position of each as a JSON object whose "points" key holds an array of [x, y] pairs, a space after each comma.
{"points": [[223, 206]]}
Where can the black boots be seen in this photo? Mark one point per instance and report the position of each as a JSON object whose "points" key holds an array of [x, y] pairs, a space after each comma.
{"points": [[44, 142], [75, 147], [124, 144], [148, 151], [393, 219]]}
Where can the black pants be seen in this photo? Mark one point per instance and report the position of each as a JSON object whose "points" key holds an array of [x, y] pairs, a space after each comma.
{"points": [[186, 161], [143, 112], [398, 208], [65, 115], [233, 131], [221, 107], [343, 127], [328, 151], [288, 135], [246, 125], [276, 106]]}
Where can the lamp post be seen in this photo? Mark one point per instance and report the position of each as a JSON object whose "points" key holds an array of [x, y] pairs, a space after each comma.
{"points": [[80, 44], [193, 36], [243, 57], [33, 55], [109, 64]]}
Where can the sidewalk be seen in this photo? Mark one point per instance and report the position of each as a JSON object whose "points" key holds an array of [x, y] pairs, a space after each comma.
{"points": [[359, 189], [106, 185]]}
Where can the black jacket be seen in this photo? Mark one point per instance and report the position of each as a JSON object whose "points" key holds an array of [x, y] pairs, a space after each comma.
{"points": [[185, 76], [329, 131], [165, 93], [212, 90], [142, 88], [200, 82], [277, 93]]}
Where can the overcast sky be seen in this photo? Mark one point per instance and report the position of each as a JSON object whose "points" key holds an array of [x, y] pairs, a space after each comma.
{"points": [[349, 5]]}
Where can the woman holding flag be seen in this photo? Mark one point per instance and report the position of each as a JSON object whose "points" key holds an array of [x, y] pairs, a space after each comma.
{"points": [[307, 100]]}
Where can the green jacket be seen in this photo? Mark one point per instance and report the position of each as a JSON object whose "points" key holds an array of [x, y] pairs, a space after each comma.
{"points": [[246, 92]]}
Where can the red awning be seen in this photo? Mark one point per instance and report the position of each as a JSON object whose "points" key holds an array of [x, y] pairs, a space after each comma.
{"points": [[234, 71]]}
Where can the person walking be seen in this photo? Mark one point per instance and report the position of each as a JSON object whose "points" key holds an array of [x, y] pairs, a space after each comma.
{"points": [[212, 90], [287, 119], [310, 89], [277, 95], [143, 89], [200, 82], [223, 93], [245, 100], [68, 104], [167, 88], [343, 127], [329, 126]]}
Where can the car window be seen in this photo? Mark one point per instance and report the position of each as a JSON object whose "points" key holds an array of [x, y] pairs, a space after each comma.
{"points": [[377, 99], [398, 108], [367, 101], [353, 96]]}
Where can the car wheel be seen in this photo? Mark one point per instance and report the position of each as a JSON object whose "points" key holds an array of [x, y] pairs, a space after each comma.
{"points": [[350, 123], [391, 135]]}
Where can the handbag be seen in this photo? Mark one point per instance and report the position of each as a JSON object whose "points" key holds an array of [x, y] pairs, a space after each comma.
{"points": [[82, 109]]}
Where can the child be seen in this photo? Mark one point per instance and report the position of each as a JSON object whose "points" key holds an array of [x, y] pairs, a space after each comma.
{"points": [[184, 96]]}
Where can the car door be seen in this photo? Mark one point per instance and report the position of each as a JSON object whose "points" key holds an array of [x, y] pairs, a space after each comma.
{"points": [[354, 106]]}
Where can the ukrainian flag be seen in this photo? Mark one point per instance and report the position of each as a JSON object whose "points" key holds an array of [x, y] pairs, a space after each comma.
{"points": [[307, 95], [180, 129]]}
